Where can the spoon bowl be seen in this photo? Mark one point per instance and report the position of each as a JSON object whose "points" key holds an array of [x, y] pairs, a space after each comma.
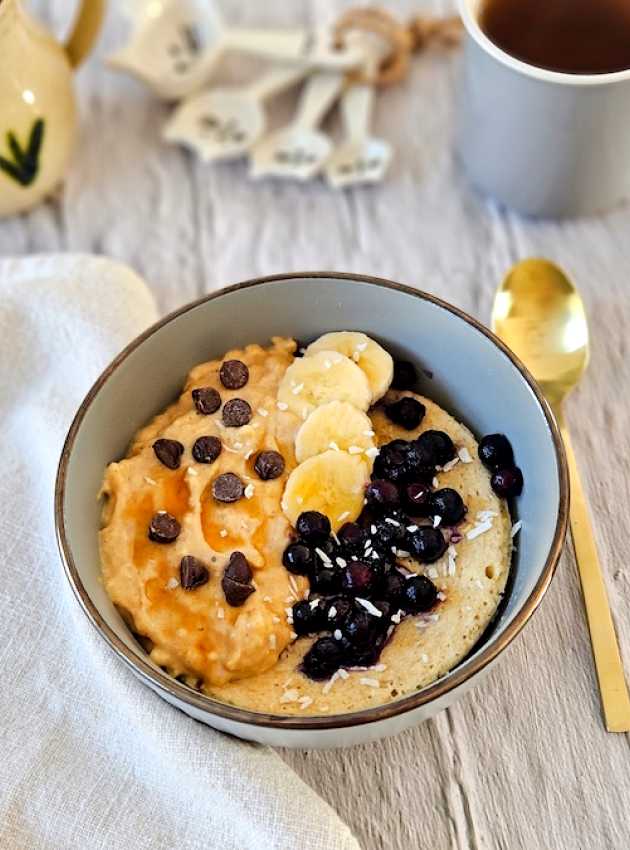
{"points": [[296, 152], [174, 48], [540, 315], [220, 124], [359, 162]]}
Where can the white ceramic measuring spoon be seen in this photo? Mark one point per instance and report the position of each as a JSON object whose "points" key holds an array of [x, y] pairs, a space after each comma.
{"points": [[223, 123], [299, 150], [360, 158], [175, 45]]}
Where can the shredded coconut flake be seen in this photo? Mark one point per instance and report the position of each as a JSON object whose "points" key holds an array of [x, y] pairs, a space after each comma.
{"points": [[152, 481], [369, 433], [172, 583], [333, 445], [262, 412], [282, 405], [298, 389], [289, 696], [371, 609], [337, 634], [412, 528], [343, 674], [220, 613], [435, 482], [361, 346], [249, 491], [332, 612], [516, 528], [464, 455], [331, 682], [450, 465], [293, 635], [370, 683], [392, 521], [424, 658], [441, 596], [305, 702], [479, 529], [343, 516], [341, 562], [372, 452], [324, 557], [436, 521], [355, 450], [313, 604], [356, 356], [223, 532]]}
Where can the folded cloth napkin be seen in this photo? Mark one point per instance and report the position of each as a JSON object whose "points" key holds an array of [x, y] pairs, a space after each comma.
{"points": [[89, 757]]}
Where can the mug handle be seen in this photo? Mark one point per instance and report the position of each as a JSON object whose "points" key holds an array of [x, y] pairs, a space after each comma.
{"points": [[85, 30]]}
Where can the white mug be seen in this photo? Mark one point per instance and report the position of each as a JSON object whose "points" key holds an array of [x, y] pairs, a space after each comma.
{"points": [[543, 142]]}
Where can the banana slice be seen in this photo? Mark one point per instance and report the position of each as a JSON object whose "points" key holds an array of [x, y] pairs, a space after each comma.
{"points": [[326, 376], [367, 354], [336, 425], [332, 483]]}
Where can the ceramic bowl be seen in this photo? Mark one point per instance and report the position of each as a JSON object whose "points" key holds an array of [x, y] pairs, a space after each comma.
{"points": [[474, 376]]}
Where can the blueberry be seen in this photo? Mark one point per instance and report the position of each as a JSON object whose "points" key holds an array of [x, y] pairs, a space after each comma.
{"points": [[420, 594], [299, 559], [448, 505], [406, 412], [383, 493], [390, 464], [427, 544], [360, 629], [417, 495], [392, 588], [436, 448], [359, 579], [307, 619], [390, 531], [352, 537], [495, 452], [336, 609], [313, 527], [325, 580], [323, 659], [508, 482], [405, 375]]}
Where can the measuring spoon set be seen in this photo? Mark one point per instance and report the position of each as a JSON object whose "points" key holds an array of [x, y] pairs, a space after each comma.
{"points": [[174, 49]]}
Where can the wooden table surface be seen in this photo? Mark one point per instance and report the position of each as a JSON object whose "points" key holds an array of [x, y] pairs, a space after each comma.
{"points": [[523, 761]]}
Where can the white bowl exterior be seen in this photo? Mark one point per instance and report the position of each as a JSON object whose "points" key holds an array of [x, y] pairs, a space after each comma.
{"points": [[472, 377], [546, 144]]}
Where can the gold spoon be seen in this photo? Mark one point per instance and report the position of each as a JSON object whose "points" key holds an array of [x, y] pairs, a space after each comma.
{"points": [[539, 314]]}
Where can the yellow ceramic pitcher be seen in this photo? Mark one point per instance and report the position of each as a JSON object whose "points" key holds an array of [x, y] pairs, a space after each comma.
{"points": [[37, 105]]}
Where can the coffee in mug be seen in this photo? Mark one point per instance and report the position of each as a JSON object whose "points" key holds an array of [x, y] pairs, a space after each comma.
{"points": [[571, 36]]}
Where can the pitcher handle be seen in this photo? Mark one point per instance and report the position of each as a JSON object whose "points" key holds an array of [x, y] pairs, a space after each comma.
{"points": [[85, 30]]}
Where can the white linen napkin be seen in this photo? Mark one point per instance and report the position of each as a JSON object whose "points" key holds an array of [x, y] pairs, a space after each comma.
{"points": [[89, 757]]}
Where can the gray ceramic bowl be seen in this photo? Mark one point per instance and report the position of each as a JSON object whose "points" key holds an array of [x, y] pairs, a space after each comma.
{"points": [[475, 377]]}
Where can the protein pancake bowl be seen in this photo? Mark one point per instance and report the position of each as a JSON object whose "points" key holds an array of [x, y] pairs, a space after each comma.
{"points": [[326, 504]]}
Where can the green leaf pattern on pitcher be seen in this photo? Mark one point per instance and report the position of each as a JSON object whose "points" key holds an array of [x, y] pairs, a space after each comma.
{"points": [[22, 165]]}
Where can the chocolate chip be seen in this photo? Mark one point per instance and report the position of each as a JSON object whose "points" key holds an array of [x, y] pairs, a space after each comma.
{"points": [[269, 465], [207, 400], [238, 568], [236, 413], [227, 487], [192, 572], [236, 581], [168, 452], [206, 449], [234, 374], [163, 528]]}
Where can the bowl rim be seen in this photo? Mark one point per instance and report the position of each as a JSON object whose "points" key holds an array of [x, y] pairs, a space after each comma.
{"points": [[165, 684]]}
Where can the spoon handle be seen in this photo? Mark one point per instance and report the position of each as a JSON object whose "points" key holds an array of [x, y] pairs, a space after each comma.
{"points": [[612, 684]]}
